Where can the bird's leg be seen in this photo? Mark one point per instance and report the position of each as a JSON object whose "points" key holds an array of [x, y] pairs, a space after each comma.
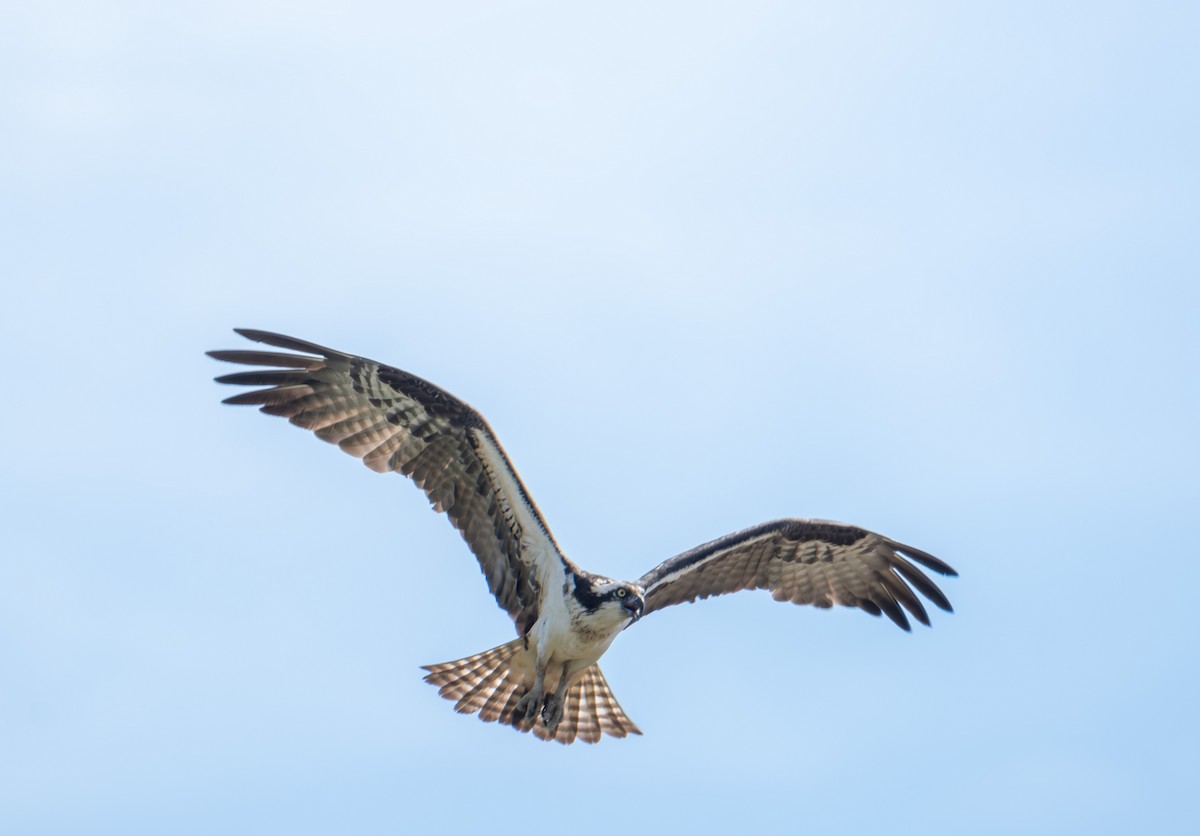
{"points": [[531, 703], [552, 709]]}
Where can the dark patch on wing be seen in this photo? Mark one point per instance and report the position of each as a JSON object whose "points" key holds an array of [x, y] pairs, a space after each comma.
{"points": [[806, 562], [396, 421], [435, 400]]}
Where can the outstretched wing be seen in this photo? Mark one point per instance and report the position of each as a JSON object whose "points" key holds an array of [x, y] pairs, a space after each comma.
{"points": [[806, 562], [395, 421]]}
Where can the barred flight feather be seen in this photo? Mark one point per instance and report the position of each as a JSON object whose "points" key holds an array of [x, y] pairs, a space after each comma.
{"points": [[394, 421], [814, 562]]}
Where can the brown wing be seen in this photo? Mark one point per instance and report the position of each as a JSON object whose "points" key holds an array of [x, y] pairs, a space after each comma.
{"points": [[395, 421], [806, 562]]}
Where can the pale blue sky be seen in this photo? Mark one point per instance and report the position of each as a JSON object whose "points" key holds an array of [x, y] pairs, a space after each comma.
{"points": [[929, 268]]}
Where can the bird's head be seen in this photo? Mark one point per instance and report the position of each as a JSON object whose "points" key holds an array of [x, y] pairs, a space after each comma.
{"points": [[631, 599], [619, 600]]}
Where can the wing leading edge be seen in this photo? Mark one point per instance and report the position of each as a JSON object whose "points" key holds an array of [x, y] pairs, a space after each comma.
{"points": [[397, 422]]}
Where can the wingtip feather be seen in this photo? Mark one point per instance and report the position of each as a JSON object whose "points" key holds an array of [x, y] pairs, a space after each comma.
{"points": [[925, 559], [284, 341]]}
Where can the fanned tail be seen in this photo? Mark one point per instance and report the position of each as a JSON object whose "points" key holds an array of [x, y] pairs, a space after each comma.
{"points": [[487, 684], [589, 710]]}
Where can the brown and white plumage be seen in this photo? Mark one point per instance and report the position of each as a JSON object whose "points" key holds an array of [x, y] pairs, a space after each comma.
{"points": [[395, 421], [484, 683], [805, 562], [547, 680]]}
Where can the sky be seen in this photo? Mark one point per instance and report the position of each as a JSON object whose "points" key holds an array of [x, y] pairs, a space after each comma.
{"points": [[927, 268]]}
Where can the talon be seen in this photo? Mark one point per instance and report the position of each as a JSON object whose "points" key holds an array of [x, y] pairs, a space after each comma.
{"points": [[530, 704], [552, 712]]}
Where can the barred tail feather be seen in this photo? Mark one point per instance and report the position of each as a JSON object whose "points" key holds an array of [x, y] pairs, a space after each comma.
{"points": [[481, 682], [589, 711], [487, 684]]}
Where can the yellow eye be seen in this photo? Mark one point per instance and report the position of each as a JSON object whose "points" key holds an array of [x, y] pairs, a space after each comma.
{"points": [[621, 593]]}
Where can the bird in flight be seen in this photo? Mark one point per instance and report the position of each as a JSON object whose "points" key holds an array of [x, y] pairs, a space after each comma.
{"points": [[547, 681]]}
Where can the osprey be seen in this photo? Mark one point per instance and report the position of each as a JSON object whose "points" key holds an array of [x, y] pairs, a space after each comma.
{"points": [[547, 679]]}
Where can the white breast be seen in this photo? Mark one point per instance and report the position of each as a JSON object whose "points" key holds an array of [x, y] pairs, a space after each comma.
{"points": [[566, 633]]}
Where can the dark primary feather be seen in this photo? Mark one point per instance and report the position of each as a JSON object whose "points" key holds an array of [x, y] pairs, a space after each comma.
{"points": [[806, 562], [396, 421]]}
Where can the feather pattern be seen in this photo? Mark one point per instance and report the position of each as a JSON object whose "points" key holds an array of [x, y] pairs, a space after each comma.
{"points": [[566, 618], [806, 562], [490, 684], [395, 421]]}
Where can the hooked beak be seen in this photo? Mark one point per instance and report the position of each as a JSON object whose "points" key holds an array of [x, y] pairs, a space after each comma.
{"points": [[634, 606]]}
